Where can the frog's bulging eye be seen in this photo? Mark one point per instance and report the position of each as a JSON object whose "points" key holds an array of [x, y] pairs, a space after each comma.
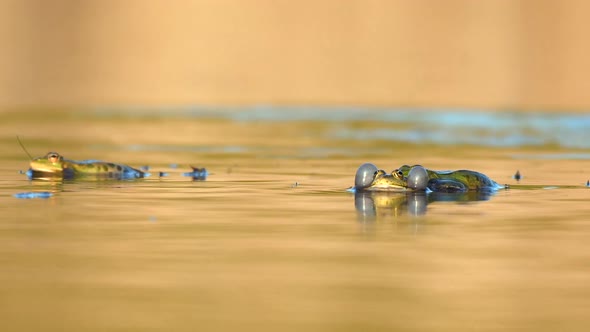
{"points": [[396, 173], [379, 173], [53, 157]]}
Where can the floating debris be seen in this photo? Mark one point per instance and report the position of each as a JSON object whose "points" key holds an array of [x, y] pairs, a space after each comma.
{"points": [[517, 176], [162, 174], [588, 183], [144, 168], [39, 194], [294, 185], [198, 174]]}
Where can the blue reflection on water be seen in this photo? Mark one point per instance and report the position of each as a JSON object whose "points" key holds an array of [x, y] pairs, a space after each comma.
{"points": [[560, 156], [437, 126]]}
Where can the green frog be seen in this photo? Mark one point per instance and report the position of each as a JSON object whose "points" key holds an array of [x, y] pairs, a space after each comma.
{"points": [[55, 165], [417, 178]]}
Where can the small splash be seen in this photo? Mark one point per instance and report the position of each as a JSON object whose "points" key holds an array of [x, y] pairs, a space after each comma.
{"points": [[28, 173], [198, 174], [29, 195], [130, 173]]}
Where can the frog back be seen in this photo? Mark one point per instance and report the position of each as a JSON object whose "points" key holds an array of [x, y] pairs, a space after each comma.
{"points": [[455, 181], [471, 180], [102, 168]]}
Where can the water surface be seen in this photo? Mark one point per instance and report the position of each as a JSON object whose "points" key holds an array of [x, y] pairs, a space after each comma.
{"points": [[272, 241]]}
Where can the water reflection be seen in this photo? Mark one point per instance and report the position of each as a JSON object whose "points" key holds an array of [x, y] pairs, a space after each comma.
{"points": [[373, 205], [447, 127], [45, 187], [51, 184]]}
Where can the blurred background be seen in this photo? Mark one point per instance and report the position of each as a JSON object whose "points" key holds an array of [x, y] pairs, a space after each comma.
{"points": [[281, 101], [502, 54]]}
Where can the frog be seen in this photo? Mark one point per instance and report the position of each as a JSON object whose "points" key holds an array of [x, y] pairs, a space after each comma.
{"points": [[55, 165], [417, 178]]}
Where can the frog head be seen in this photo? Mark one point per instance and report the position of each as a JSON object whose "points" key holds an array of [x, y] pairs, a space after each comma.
{"points": [[368, 177], [52, 162]]}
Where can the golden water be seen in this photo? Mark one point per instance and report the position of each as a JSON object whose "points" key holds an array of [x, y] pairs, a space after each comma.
{"points": [[273, 242]]}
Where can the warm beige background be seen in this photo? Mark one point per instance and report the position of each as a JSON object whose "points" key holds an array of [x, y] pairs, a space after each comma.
{"points": [[466, 53]]}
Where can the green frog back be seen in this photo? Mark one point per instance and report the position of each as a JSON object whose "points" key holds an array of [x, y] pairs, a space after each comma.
{"points": [[452, 181]]}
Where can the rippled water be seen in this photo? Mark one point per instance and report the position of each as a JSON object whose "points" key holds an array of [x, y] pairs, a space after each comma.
{"points": [[273, 241]]}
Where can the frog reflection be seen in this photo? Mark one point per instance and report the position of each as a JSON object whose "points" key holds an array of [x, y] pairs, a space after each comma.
{"points": [[373, 205]]}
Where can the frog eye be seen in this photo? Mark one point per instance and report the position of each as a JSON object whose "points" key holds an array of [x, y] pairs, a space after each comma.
{"points": [[365, 175], [396, 173], [379, 173], [53, 157]]}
